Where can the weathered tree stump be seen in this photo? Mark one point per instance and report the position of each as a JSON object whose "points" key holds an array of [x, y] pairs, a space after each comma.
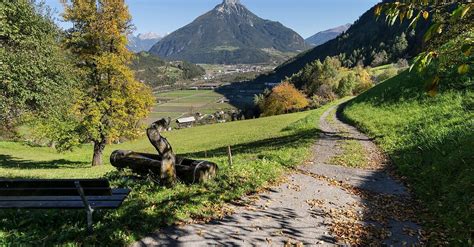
{"points": [[165, 166], [187, 170], [165, 151]]}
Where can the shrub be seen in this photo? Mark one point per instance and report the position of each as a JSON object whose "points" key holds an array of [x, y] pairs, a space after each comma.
{"points": [[363, 81], [284, 98], [347, 85]]}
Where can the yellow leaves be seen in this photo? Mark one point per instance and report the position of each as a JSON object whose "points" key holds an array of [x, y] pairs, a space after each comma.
{"points": [[378, 9], [426, 14], [284, 98], [114, 102], [463, 69], [433, 86]]}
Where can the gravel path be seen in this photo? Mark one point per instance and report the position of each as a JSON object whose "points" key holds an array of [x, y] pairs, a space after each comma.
{"points": [[319, 205]]}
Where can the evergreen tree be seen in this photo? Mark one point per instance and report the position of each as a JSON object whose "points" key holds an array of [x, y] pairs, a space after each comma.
{"points": [[113, 102]]}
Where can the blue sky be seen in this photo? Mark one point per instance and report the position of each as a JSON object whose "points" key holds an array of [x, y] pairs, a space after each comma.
{"points": [[306, 17]]}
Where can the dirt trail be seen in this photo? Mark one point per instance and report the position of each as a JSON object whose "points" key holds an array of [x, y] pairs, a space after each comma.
{"points": [[319, 205]]}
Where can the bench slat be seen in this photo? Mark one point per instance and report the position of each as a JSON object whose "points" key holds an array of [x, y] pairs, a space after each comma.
{"points": [[54, 191], [62, 198], [57, 204], [117, 195], [52, 183]]}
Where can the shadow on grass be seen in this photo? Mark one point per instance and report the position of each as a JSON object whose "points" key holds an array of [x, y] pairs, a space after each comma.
{"points": [[8, 161], [149, 207], [273, 144], [439, 169], [277, 223]]}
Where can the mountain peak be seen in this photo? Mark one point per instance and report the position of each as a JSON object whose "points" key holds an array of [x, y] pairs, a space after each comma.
{"points": [[229, 34], [230, 6], [324, 36], [231, 2], [149, 35]]}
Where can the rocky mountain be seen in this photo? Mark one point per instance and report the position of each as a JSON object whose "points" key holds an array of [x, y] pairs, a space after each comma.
{"points": [[229, 34], [324, 36], [142, 41]]}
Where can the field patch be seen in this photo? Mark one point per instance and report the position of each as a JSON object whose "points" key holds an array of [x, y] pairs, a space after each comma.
{"points": [[181, 103]]}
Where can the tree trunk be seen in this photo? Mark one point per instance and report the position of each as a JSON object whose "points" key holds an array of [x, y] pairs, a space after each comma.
{"points": [[99, 147], [187, 170]]}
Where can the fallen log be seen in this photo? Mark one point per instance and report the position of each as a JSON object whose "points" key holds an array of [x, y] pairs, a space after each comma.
{"points": [[187, 170]]}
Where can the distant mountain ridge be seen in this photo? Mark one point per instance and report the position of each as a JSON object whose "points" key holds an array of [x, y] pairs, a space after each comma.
{"points": [[229, 34], [324, 36], [142, 41]]}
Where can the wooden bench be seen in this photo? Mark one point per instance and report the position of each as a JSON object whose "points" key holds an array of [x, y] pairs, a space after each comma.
{"points": [[88, 194]]}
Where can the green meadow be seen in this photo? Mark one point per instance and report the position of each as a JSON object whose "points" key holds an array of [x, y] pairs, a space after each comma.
{"points": [[263, 150]]}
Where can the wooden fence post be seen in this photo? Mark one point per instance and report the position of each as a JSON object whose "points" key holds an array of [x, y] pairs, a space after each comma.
{"points": [[229, 153]]}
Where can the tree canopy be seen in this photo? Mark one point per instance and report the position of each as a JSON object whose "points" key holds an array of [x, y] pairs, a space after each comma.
{"points": [[283, 99], [35, 72], [112, 103]]}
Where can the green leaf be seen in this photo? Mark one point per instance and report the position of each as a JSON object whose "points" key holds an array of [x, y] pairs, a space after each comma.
{"points": [[460, 12], [463, 69], [465, 10], [435, 28], [414, 21], [410, 13]]}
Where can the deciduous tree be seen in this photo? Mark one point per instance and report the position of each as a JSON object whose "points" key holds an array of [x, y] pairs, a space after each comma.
{"points": [[283, 99], [35, 72], [113, 102]]}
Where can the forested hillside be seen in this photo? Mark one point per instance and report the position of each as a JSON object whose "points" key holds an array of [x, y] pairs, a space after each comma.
{"points": [[155, 72], [368, 42]]}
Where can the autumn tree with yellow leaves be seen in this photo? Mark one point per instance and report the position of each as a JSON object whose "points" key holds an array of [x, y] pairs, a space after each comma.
{"points": [[283, 99], [113, 102]]}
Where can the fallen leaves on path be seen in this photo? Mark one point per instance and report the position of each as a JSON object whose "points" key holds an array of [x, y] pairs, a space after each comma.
{"points": [[349, 223]]}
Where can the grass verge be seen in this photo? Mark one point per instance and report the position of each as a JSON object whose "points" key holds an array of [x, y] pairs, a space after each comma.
{"points": [[430, 141], [353, 155]]}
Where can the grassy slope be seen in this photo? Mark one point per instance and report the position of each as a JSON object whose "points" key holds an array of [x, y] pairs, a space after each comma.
{"points": [[263, 149], [430, 141]]}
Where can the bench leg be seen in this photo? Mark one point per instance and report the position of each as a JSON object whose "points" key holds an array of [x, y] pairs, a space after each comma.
{"points": [[90, 223], [87, 206]]}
